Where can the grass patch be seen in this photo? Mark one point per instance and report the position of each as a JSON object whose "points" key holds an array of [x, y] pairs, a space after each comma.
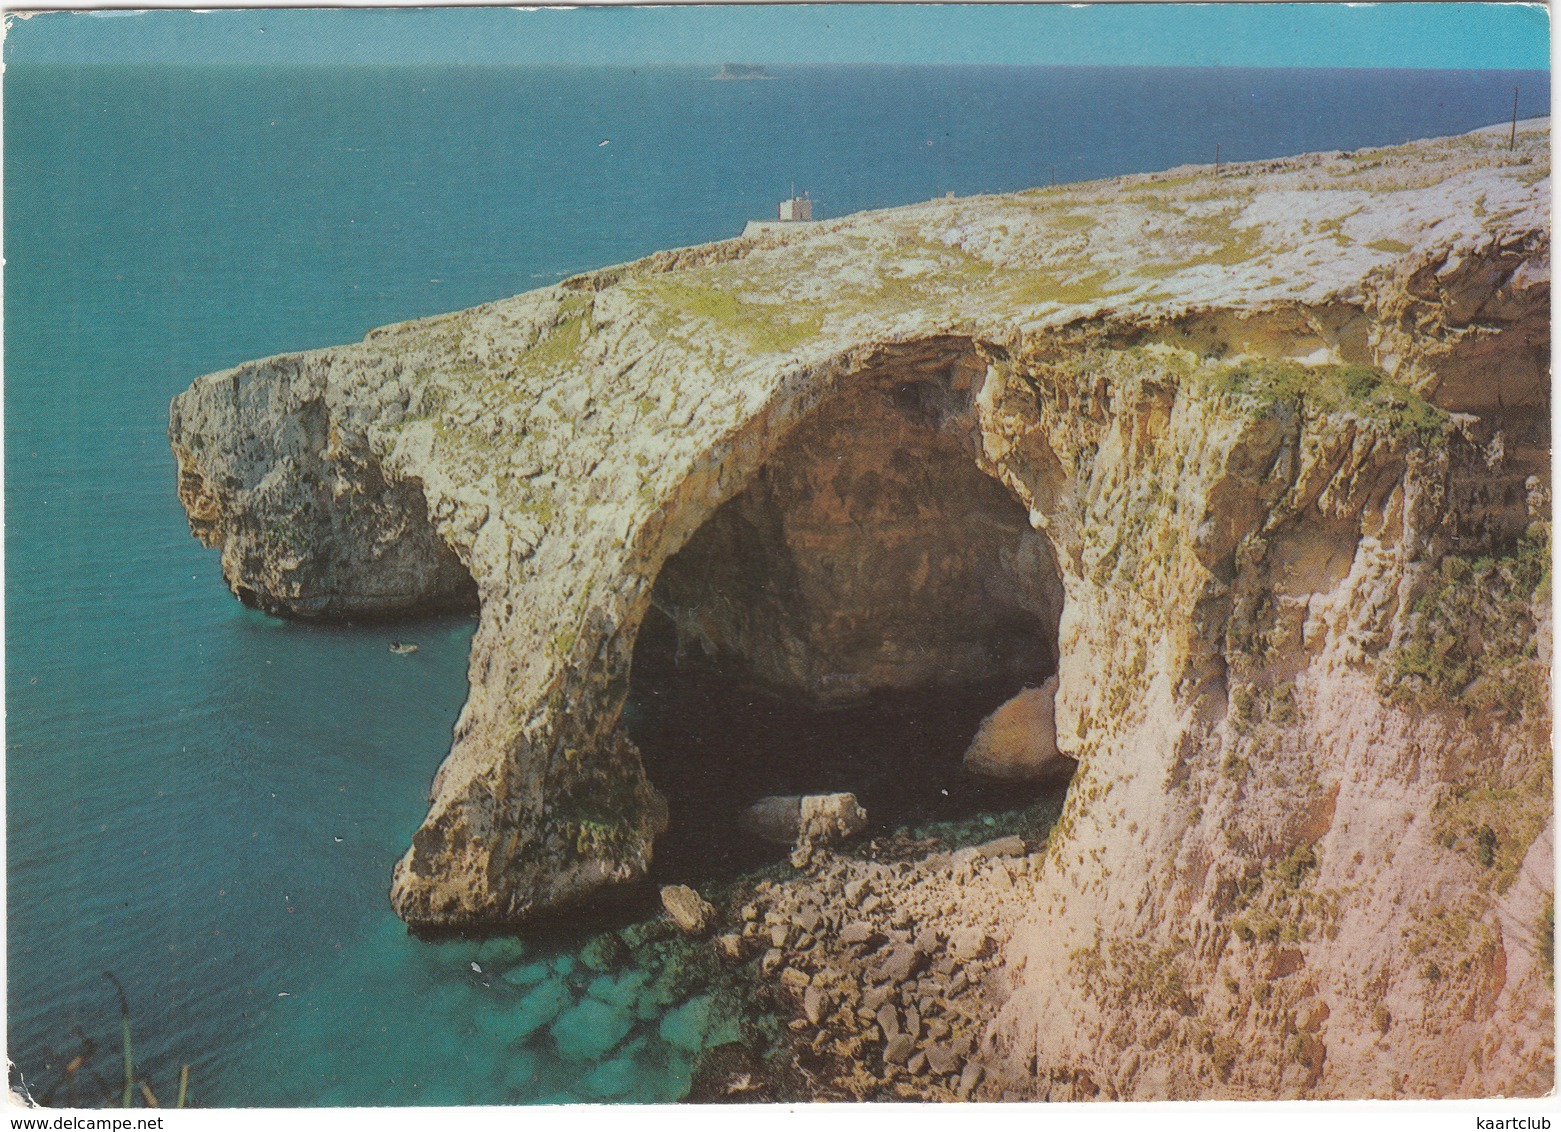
{"points": [[1359, 390], [1074, 222], [1470, 642], [1276, 905], [1042, 287], [1493, 823], [1449, 940], [558, 349], [768, 327], [1129, 972], [1226, 247]]}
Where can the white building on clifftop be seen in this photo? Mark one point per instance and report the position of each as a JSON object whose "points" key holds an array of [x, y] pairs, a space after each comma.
{"points": [[797, 208]]}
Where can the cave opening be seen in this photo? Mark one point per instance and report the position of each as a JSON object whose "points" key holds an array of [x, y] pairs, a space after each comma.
{"points": [[844, 623]]}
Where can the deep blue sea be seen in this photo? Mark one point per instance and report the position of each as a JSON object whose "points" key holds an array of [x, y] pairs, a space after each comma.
{"points": [[207, 803]]}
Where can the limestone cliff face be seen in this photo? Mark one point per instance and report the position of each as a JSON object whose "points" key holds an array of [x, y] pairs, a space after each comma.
{"points": [[1257, 462], [276, 472]]}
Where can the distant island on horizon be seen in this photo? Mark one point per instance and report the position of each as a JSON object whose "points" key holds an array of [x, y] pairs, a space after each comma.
{"points": [[730, 71]]}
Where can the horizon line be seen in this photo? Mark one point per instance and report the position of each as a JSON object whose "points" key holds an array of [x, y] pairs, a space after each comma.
{"points": [[491, 64]]}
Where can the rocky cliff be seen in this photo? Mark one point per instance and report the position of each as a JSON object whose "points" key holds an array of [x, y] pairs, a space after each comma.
{"points": [[1256, 461]]}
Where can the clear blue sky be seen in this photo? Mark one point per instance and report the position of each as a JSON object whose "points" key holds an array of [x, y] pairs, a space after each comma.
{"points": [[1498, 36]]}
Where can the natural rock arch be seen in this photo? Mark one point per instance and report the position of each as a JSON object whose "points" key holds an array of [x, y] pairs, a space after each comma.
{"points": [[1232, 433], [871, 567], [999, 604]]}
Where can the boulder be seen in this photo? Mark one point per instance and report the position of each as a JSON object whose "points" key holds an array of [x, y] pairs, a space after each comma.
{"points": [[528, 975], [774, 819], [795, 979], [604, 952], [685, 1027], [1011, 846], [968, 943], [888, 1021], [692, 913], [859, 931], [898, 1049], [611, 1079], [875, 997], [941, 1059], [900, 964], [830, 818], [814, 1004], [814, 819], [621, 991], [521, 1070], [1018, 741], [825, 819]]}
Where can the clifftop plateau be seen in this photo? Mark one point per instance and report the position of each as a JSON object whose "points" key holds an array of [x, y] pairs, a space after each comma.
{"points": [[1255, 462]]}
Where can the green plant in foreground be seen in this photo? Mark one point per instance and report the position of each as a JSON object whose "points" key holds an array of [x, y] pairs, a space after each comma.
{"points": [[131, 1083]]}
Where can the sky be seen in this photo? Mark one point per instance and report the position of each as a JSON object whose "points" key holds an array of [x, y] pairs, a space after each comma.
{"points": [[1439, 35]]}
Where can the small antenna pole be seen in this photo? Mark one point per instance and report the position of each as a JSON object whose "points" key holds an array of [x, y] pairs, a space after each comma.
{"points": [[1216, 159], [1512, 138]]}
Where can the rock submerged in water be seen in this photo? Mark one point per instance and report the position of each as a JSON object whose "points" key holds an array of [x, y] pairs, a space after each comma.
{"points": [[692, 913], [684, 1028], [590, 1030], [1018, 741], [538, 1008]]}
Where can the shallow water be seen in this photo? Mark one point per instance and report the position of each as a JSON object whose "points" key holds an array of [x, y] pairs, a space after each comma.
{"points": [[207, 803]]}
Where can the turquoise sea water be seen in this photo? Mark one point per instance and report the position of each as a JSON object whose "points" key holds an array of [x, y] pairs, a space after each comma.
{"points": [[207, 803]]}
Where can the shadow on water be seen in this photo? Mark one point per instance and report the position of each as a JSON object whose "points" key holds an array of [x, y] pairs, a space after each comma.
{"points": [[713, 744]]}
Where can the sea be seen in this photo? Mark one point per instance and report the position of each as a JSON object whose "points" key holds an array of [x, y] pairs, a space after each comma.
{"points": [[205, 803]]}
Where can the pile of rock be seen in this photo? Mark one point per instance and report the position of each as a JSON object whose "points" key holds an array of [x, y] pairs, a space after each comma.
{"points": [[890, 963]]}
